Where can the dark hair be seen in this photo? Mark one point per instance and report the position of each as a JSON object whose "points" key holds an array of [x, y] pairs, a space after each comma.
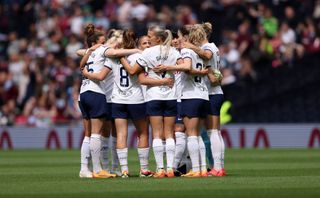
{"points": [[91, 34], [184, 31], [129, 39], [174, 34]]}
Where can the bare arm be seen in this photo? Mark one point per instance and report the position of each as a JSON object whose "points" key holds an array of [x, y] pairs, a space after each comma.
{"points": [[102, 74], [131, 70], [115, 53], [205, 54], [84, 59], [81, 52], [182, 65], [87, 54], [201, 72], [145, 80]]}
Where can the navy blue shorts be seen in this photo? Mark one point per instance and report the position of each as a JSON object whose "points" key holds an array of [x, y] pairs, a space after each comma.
{"points": [[93, 105], [84, 115], [109, 111], [215, 103], [129, 111], [194, 108], [166, 108], [179, 118]]}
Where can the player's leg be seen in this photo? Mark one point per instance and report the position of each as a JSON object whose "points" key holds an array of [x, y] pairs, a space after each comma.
{"points": [[122, 149], [170, 143], [170, 113], [85, 150], [96, 105], [217, 143], [140, 121], [202, 114], [114, 155], [155, 113], [157, 130], [181, 140], [193, 145], [105, 148], [202, 151]]}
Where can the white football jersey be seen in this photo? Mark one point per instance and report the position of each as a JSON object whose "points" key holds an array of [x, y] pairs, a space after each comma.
{"points": [[94, 64], [126, 88], [108, 84], [153, 56], [214, 62], [193, 86]]}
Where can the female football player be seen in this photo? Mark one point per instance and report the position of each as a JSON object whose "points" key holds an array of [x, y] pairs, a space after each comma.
{"points": [[209, 52]]}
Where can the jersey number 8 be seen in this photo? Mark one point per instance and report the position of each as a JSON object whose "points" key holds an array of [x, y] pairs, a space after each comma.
{"points": [[124, 78]]}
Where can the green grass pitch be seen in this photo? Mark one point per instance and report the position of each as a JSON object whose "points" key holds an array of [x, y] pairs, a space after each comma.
{"points": [[251, 173]]}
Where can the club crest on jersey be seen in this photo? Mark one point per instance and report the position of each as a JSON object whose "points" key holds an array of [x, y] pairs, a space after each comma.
{"points": [[161, 58], [93, 55]]}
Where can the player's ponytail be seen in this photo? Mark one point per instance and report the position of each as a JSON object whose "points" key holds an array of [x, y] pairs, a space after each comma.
{"points": [[165, 37], [207, 26], [168, 40]]}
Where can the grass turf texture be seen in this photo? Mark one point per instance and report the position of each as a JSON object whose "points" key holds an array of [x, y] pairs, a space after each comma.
{"points": [[251, 173]]}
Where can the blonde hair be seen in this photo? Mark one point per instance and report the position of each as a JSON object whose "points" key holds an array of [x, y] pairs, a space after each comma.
{"points": [[166, 38], [207, 26], [116, 38], [197, 35]]}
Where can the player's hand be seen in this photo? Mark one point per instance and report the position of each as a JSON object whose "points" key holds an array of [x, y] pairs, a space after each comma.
{"points": [[160, 68], [168, 82], [205, 71], [186, 44], [85, 71], [139, 51]]}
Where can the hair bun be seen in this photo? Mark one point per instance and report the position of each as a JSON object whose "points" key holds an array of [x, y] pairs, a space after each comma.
{"points": [[89, 30]]}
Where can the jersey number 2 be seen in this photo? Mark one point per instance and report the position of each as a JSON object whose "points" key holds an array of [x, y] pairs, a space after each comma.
{"points": [[197, 79]]}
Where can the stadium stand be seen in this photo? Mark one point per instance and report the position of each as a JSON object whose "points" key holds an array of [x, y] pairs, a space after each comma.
{"points": [[269, 49]]}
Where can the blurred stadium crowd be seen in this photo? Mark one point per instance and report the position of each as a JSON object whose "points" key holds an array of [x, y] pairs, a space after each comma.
{"points": [[258, 40]]}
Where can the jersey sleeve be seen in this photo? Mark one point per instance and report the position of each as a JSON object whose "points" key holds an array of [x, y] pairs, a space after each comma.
{"points": [[108, 63], [208, 47], [142, 60], [104, 51], [186, 53]]}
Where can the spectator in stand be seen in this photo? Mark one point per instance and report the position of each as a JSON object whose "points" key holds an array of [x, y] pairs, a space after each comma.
{"points": [[37, 46], [73, 45]]}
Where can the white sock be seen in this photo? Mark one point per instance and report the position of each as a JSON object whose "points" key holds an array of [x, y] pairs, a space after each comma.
{"points": [[105, 153], [170, 148], [115, 160], [193, 148], [144, 158], [216, 148], [202, 150], [222, 149], [181, 143], [95, 149], [158, 152], [85, 154], [123, 158]]}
